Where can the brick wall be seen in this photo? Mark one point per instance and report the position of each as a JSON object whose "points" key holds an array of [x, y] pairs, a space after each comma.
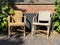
{"points": [[35, 8]]}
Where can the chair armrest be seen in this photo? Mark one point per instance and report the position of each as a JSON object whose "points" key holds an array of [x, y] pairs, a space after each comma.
{"points": [[35, 18], [24, 19], [8, 19], [50, 18]]}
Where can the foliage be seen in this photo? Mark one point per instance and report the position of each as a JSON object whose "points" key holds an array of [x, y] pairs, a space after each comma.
{"points": [[6, 10], [3, 22], [56, 16], [6, 7]]}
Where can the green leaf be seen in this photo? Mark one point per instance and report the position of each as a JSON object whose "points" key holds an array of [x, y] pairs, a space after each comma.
{"points": [[59, 17], [2, 25], [4, 7], [56, 15], [5, 19], [57, 8], [1, 15], [5, 23], [57, 23], [11, 11], [58, 29]]}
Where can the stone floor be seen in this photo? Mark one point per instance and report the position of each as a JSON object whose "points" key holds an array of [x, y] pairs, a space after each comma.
{"points": [[37, 39]]}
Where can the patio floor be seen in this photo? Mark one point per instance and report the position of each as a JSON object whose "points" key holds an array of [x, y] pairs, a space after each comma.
{"points": [[37, 39]]}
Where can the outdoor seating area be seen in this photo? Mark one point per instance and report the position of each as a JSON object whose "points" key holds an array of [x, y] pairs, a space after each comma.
{"points": [[18, 20], [30, 22], [43, 18]]}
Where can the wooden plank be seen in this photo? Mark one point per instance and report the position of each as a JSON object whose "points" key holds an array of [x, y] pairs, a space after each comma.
{"points": [[20, 30], [40, 30]]}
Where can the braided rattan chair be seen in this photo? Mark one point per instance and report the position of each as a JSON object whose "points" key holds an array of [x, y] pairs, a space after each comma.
{"points": [[16, 21]]}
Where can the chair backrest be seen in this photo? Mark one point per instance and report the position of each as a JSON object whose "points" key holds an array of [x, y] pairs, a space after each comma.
{"points": [[18, 16], [44, 16]]}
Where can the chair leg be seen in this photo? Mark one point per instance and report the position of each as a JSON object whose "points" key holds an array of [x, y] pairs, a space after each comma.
{"points": [[24, 32], [32, 30], [8, 32], [47, 32]]}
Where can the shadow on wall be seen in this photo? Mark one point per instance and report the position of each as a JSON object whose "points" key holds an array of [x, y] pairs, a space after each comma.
{"points": [[28, 29], [29, 18], [15, 8]]}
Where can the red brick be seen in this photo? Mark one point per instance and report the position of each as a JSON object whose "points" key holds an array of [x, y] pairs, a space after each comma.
{"points": [[35, 8]]}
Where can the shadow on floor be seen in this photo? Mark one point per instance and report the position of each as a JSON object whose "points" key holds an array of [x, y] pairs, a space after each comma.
{"points": [[15, 39]]}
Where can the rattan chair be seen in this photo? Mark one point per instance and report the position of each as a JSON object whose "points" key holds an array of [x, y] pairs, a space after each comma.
{"points": [[38, 19], [16, 20]]}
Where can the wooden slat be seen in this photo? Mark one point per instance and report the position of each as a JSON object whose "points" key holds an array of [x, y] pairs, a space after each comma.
{"points": [[20, 30], [40, 30]]}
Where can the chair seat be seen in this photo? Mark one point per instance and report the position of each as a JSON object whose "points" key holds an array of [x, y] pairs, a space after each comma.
{"points": [[17, 24], [35, 23]]}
